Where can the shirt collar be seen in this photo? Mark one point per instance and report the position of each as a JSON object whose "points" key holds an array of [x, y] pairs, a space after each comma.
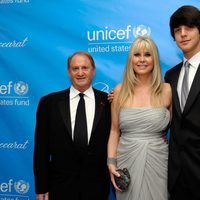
{"points": [[74, 92], [194, 61]]}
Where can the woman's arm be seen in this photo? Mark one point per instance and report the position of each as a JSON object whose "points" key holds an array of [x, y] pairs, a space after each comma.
{"points": [[114, 138]]}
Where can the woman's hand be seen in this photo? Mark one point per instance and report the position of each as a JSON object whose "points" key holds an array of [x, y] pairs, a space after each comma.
{"points": [[113, 172]]}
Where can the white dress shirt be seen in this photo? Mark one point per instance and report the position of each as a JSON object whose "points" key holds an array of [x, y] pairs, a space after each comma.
{"points": [[194, 64], [89, 108]]}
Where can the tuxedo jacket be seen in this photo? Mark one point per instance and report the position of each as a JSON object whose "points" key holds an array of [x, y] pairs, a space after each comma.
{"points": [[184, 145], [60, 168]]}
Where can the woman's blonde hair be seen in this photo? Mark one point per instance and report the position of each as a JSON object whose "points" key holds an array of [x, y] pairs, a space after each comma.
{"points": [[130, 80]]}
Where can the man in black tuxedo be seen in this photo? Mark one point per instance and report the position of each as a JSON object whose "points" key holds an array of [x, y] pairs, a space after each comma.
{"points": [[63, 168], [184, 145]]}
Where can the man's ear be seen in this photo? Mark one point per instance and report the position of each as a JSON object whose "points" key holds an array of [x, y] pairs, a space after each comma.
{"points": [[94, 72], [68, 71]]}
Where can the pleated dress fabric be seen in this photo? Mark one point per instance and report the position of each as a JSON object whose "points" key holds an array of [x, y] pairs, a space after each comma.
{"points": [[143, 151]]}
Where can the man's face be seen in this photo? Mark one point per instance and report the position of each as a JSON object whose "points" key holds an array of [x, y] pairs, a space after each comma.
{"points": [[188, 39], [81, 72]]}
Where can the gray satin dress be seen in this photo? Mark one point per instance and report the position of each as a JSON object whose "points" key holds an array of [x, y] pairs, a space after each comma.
{"points": [[143, 151]]}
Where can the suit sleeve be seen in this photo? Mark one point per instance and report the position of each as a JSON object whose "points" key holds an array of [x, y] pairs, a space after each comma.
{"points": [[166, 77], [41, 148]]}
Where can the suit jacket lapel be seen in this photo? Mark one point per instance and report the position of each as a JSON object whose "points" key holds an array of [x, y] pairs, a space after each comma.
{"points": [[194, 91], [65, 111], [99, 104], [174, 82]]}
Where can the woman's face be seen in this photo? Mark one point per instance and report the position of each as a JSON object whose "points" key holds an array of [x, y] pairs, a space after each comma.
{"points": [[143, 62]]}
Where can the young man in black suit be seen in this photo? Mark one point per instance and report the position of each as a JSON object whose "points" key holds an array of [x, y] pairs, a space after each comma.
{"points": [[184, 145], [65, 167]]}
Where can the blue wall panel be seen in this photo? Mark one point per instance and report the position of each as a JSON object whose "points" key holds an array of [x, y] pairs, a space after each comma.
{"points": [[36, 37]]}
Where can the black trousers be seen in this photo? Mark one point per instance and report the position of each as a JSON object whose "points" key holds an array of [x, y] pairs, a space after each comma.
{"points": [[181, 191]]}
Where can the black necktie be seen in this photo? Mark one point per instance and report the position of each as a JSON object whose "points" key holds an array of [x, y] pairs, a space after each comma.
{"points": [[185, 87], [80, 127]]}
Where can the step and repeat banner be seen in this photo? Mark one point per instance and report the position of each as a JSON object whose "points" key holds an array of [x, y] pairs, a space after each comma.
{"points": [[36, 38]]}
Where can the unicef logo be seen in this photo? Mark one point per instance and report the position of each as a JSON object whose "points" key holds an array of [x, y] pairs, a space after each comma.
{"points": [[141, 30], [21, 88], [21, 187], [101, 86]]}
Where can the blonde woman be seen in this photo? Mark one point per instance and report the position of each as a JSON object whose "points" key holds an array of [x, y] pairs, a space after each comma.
{"points": [[140, 117]]}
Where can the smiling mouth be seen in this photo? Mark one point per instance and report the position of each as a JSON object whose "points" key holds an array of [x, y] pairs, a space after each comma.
{"points": [[142, 66], [80, 79], [185, 41]]}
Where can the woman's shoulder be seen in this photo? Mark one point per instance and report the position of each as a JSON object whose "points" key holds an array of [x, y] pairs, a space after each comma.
{"points": [[118, 87], [167, 88], [167, 94]]}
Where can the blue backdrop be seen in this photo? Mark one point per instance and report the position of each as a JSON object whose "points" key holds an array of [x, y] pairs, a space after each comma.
{"points": [[36, 37]]}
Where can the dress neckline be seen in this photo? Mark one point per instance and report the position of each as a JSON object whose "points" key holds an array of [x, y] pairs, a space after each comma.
{"points": [[145, 108]]}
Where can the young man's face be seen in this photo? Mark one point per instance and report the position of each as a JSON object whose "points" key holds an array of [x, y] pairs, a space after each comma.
{"points": [[188, 39], [81, 72]]}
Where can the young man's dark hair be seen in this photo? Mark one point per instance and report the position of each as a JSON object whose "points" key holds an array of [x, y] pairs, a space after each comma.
{"points": [[185, 15]]}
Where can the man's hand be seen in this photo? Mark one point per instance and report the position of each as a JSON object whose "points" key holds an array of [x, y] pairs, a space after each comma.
{"points": [[111, 96], [42, 196]]}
